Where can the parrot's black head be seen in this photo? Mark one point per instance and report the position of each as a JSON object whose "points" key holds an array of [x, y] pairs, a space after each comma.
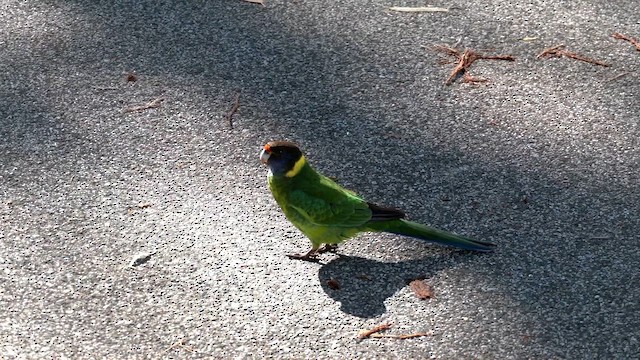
{"points": [[283, 158]]}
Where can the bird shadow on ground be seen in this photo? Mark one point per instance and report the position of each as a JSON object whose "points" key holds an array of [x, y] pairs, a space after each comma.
{"points": [[362, 285]]}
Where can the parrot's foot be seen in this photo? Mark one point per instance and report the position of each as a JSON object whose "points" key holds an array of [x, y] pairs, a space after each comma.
{"points": [[328, 248], [310, 256]]}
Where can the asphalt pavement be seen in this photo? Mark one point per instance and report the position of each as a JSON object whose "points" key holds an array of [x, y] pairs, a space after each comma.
{"points": [[135, 221]]}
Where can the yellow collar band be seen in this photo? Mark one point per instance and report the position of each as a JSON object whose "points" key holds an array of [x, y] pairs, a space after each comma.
{"points": [[296, 167]]}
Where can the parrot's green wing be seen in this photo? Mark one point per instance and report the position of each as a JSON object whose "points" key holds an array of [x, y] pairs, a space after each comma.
{"points": [[328, 204]]}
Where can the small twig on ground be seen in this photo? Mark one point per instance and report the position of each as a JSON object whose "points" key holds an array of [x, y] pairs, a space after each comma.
{"points": [[465, 59], [106, 88], [458, 42], [614, 78], [403, 336], [156, 103], [260, 2], [367, 333], [182, 343], [234, 109], [559, 51], [551, 51], [418, 9], [633, 41], [375, 333], [472, 79]]}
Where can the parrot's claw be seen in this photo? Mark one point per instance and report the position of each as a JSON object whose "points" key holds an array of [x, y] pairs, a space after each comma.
{"points": [[310, 256]]}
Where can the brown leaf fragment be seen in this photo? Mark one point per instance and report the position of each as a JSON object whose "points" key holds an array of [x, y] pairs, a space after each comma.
{"points": [[131, 77], [333, 284], [421, 289], [367, 333], [559, 51], [633, 41]]}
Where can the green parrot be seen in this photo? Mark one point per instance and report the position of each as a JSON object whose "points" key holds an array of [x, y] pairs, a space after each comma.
{"points": [[330, 214]]}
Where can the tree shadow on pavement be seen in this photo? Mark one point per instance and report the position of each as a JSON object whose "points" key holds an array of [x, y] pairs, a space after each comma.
{"points": [[332, 93]]}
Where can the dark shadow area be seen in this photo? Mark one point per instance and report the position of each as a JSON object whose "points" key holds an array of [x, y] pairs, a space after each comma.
{"points": [[365, 284]]}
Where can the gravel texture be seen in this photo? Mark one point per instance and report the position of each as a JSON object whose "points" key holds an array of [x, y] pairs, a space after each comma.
{"points": [[151, 234]]}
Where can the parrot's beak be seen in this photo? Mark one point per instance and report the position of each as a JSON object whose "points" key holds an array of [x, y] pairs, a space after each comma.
{"points": [[264, 156]]}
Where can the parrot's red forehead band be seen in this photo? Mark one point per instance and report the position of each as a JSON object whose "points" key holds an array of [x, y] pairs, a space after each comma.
{"points": [[267, 148]]}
